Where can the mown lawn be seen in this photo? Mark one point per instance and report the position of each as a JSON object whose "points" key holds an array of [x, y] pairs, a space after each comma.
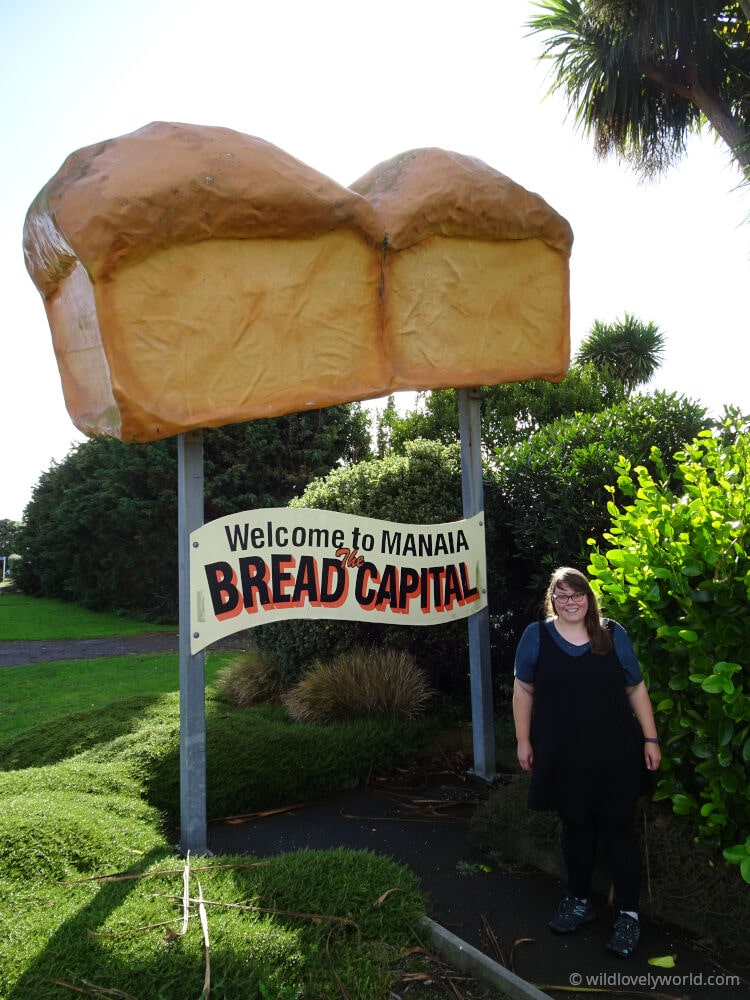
{"points": [[33, 618], [42, 692]]}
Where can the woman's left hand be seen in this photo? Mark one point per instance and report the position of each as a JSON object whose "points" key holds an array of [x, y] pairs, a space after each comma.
{"points": [[652, 753]]}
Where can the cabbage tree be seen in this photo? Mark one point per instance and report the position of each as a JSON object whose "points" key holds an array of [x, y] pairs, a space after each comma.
{"points": [[641, 75]]}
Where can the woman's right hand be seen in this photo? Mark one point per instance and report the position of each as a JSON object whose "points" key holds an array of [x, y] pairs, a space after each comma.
{"points": [[525, 755]]}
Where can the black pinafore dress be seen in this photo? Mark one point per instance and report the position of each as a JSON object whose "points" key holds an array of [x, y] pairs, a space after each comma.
{"points": [[588, 745]]}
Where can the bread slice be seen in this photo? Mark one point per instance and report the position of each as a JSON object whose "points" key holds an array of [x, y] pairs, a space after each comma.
{"points": [[476, 276], [194, 276]]}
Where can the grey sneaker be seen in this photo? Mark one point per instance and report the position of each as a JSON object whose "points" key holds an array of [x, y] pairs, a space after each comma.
{"points": [[571, 913], [625, 936]]}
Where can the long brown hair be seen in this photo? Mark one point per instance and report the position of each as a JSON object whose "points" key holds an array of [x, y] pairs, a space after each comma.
{"points": [[599, 635]]}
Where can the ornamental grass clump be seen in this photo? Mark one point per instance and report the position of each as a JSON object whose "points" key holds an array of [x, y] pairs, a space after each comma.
{"points": [[250, 679], [359, 684]]}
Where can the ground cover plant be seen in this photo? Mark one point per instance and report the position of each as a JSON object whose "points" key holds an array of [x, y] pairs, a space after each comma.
{"points": [[287, 925], [97, 902]]}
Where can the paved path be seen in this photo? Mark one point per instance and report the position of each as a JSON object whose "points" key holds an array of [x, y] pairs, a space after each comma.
{"points": [[423, 821], [16, 653]]}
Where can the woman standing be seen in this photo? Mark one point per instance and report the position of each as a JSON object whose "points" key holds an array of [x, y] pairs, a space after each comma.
{"points": [[585, 729]]}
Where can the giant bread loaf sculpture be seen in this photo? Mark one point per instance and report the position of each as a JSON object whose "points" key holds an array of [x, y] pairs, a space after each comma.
{"points": [[194, 276]]}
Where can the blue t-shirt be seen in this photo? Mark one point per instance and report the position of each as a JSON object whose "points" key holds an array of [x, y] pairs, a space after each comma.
{"points": [[527, 652]]}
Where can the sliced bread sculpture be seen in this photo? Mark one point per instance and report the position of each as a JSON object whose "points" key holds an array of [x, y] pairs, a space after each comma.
{"points": [[194, 276]]}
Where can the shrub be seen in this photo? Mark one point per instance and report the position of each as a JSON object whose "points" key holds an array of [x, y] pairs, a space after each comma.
{"points": [[250, 679], [677, 575], [362, 683], [101, 526], [544, 498], [552, 494]]}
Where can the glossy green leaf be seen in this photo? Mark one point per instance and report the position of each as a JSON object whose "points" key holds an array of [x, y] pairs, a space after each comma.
{"points": [[663, 961], [687, 635], [683, 804], [715, 684]]}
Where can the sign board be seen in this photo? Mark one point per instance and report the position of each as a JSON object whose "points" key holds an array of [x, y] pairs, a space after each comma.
{"points": [[267, 565]]}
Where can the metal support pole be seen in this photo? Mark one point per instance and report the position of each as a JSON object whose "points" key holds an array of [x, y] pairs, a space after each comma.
{"points": [[482, 716], [193, 822]]}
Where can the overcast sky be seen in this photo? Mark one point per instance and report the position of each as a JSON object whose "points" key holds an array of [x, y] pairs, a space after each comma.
{"points": [[343, 86]]}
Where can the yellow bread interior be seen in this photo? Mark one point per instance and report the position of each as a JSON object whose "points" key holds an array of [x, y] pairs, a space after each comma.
{"points": [[228, 330], [467, 312]]}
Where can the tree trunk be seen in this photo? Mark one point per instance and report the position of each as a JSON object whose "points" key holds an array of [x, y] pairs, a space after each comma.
{"points": [[724, 123], [719, 116]]}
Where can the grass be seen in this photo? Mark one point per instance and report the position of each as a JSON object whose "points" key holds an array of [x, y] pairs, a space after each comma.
{"points": [[272, 932], [36, 618], [81, 685], [90, 787]]}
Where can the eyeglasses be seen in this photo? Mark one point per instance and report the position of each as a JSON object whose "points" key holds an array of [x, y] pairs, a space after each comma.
{"points": [[564, 598]]}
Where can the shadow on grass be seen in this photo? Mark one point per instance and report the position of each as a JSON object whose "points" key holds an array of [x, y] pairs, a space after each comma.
{"points": [[72, 956], [314, 912], [259, 759], [58, 739]]}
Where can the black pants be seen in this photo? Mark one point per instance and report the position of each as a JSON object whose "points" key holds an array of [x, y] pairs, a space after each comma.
{"points": [[580, 832]]}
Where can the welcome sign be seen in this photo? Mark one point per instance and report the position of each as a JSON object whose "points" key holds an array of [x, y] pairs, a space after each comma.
{"points": [[260, 566]]}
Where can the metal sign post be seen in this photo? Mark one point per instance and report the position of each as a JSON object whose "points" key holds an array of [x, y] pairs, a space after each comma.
{"points": [[472, 489], [193, 821]]}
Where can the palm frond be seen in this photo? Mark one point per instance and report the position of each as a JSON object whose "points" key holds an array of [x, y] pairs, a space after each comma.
{"points": [[638, 75]]}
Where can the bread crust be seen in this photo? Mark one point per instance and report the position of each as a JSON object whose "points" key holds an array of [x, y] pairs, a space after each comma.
{"points": [[475, 273], [435, 192], [167, 184]]}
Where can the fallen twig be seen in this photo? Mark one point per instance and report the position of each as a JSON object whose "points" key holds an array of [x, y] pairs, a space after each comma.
{"points": [[249, 817], [429, 818], [492, 944], [162, 873], [206, 946], [137, 930], [381, 899], [516, 943], [91, 990], [339, 982], [186, 893], [650, 995], [345, 921]]}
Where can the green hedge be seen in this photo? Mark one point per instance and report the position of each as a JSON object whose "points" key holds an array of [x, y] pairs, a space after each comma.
{"points": [[676, 572]]}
